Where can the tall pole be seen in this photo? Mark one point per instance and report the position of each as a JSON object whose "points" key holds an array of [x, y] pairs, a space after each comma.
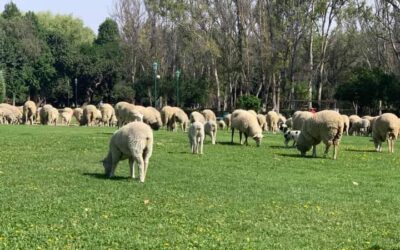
{"points": [[177, 74], [155, 66], [76, 92]]}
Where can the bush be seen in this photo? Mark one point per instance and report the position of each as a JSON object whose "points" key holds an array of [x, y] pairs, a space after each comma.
{"points": [[249, 102]]}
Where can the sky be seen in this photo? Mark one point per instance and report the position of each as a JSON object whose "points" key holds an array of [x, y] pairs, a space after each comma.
{"points": [[92, 12]]}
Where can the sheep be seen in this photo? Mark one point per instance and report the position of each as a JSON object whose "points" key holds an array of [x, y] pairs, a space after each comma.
{"points": [[282, 119], [346, 123], [7, 116], [262, 121], [48, 115], [29, 112], [196, 137], [166, 116], [180, 117], [107, 114], [291, 135], [78, 113], [197, 117], [152, 117], [210, 128], [272, 120], [352, 120], [386, 127], [209, 115], [221, 124], [90, 115], [15, 110], [289, 122], [360, 126], [227, 120], [133, 141], [326, 125], [126, 112], [252, 112], [66, 115], [299, 117], [370, 119], [246, 123]]}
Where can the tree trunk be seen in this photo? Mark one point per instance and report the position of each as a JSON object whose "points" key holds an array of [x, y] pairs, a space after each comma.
{"points": [[311, 56], [218, 85], [273, 80]]}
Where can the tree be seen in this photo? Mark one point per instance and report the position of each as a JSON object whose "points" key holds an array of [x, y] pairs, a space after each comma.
{"points": [[108, 32], [2, 87], [11, 11]]}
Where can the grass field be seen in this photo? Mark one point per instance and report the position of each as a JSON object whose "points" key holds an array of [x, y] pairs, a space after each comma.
{"points": [[53, 194]]}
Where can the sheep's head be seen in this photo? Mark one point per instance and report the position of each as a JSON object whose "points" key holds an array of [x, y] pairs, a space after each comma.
{"points": [[258, 138], [302, 145], [107, 166]]}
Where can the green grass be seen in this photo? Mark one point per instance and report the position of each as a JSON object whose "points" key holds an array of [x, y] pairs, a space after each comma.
{"points": [[53, 194]]}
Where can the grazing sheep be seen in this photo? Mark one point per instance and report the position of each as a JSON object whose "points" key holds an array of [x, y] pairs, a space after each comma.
{"points": [[133, 141], [197, 117], [29, 112], [66, 115], [282, 120], [90, 115], [352, 120], [107, 114], [15, 110], [196, 137], [246, 123], [360, 126], [7, 116], [272, 120], [252, 112], [262, 121], [209, 115], [48, 115], [386, 127], [227, 120], [210, 128], [152, 117], [325, 126], [299, 117], [346, 124], [291, 135], [126, 112], [221, 124], [78, 113], [166, 116], [182, 118], [289, 122]]}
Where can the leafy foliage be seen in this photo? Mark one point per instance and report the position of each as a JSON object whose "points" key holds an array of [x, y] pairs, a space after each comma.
{"points": [[2, 87], [249, 102]]}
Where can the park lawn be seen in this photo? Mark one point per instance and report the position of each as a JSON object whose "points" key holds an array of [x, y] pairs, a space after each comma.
{"points": [[53, 194]]}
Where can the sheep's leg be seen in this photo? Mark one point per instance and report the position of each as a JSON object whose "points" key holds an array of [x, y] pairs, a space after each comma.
{"points": [[233, 131], [335, 151], [327, 149], [393, 145], [146, 156], [140, 162], [240, 137], [245, 139], [132, 167], [314, 151], [201, 145]]}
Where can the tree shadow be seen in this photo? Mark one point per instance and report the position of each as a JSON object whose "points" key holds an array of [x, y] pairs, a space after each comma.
{"points": [[104, 177]]}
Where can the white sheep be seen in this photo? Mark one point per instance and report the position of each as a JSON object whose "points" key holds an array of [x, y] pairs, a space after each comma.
{"points": [[221, 124], [197, 117], [210, 128], [325, 126], [66, 115], [133, 141], [78, 113], [182, 118], [360, 126], [196, 137], [15, 110], [272, 120], [7, 116], [167, 113], [48, 115], [299, 117], [262, 121], [107, 114], [90, 115], [29, 112], [209, 115], [346, 124], [246, 123], [227, 120], [386, 127]]}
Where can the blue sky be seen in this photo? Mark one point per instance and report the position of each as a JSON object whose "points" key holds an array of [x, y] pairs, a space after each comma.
{"points": [[92, 12]]}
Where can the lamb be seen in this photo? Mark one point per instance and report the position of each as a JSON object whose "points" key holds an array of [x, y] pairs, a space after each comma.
{"points": [[66, 115], [180, 117], [210, 128], [196, 137], [291, 135], [346, 123], [209, 115], [262, 121], [133, 141], [78, 113], [386, 127], [107, 114], [326, 125], [29, 112], [246, 123], [272, 120], [48, 115], [197, 117], [227, 120], [299, 117]]}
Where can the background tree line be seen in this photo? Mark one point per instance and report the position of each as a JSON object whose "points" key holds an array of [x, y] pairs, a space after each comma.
{"points": [[278, 51]]}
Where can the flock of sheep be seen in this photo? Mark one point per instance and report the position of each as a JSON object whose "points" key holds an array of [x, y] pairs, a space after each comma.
{"points": [[134, 138]]}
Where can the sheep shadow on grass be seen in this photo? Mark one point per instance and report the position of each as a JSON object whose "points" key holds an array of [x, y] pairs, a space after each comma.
{"points": [[300, 156], [232, 144], [359, 150], [104, 177]]}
